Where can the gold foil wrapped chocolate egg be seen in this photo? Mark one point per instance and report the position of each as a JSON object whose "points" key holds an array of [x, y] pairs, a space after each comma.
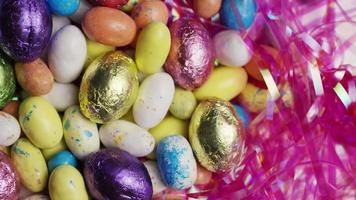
{"points": [[109, 87], [216, 135]]}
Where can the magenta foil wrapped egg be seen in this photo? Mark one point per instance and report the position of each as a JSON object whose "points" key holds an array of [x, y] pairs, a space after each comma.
{"points": [[191, 57], [117, 175], [25, 28]]}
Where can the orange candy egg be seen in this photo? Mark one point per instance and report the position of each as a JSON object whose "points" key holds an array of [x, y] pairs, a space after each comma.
{"points": [[149, 11], [109, 26], [252, 67], [206, 8], [34, 77]]}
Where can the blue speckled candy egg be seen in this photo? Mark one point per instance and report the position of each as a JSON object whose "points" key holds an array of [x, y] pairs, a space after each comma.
{"points": [[238, 14], [63, 7], [176, 162], [62, 158], [241, 112]]}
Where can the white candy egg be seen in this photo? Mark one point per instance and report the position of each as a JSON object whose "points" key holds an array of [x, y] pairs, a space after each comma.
{"points": [[156, 179], [154, 98], [80, 134], [62, 95], [10, 129], [67, 54], [230, 49], [127, 136]]}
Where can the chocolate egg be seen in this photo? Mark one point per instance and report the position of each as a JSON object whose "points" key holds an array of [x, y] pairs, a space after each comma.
{"points": [[115, 174], [109, 87], [191, 57], [109, 3], [9, 181], [216, 135], [7, 81], [25, 28]]}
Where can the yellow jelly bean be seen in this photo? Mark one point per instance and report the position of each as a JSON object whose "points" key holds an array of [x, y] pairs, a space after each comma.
{"points": [[224, 83], [94, 50], [152, 47], [40, 122], [30, 164], [253, 98], [67, 183], [183, 104]]}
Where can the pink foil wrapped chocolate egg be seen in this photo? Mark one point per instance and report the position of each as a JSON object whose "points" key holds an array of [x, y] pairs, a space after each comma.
{"points": [[191, 57], [9, 179]]}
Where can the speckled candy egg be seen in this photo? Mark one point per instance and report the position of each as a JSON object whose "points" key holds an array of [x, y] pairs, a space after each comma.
{"points": [[7, 80], [81, 135], [9, 181], [157, 182], [216, 135], [34, 77], [40, 122], [127, 136], [66, 182], [109, 87], [30, 164], [176, 162], [25, 28], [238, 14], [10, 129], [153, 100], [116, 175], [191, 57]]}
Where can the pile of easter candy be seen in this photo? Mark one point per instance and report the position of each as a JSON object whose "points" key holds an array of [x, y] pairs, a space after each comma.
{"points": [[94, 92]]}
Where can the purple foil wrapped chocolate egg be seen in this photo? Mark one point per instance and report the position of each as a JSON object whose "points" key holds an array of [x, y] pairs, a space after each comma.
{"points": [[116, 175], [25, 28], [191, 57]]}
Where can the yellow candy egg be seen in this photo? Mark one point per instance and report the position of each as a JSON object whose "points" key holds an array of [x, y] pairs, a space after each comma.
{"points": [[96, 49], [40, 122], [253, 98], [183, 104], [224, 83], [152, 47], [216, 135], [81, 135], [49, 152], [66, 183], [167, 127], [30, 164], [109, 87]]}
